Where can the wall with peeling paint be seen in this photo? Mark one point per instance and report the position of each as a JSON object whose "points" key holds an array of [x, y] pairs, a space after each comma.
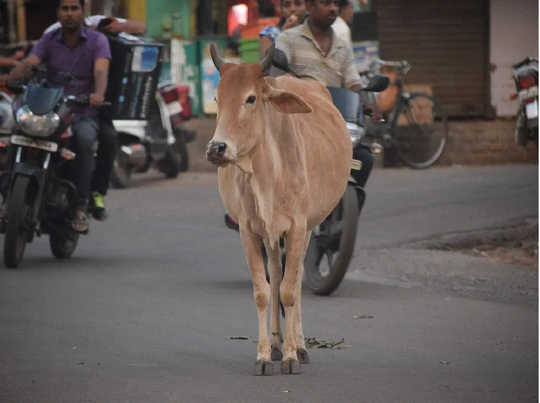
{"points": [[514, 36]]}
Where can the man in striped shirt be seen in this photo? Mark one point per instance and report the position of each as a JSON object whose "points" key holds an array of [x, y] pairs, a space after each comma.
{"points": [[314, 52]]}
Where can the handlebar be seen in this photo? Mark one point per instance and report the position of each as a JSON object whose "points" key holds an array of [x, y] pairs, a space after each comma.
{"points": [[83, 100], [525, 61]]}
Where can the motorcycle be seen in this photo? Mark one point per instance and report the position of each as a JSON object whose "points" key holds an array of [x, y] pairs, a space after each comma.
{"points": [[40, 199], [334, 238], [160, 141], [6, 125], [526, 80]]}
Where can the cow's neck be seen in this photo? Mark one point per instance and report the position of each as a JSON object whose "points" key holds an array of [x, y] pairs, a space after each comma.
{"points": [[261, 169]]}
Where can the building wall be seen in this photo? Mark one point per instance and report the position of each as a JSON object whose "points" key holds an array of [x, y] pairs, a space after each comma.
{"points": [[159, 10], [514, 36]]}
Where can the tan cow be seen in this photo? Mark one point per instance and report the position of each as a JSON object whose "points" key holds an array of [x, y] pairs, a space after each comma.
{"points": [[284, 156]]}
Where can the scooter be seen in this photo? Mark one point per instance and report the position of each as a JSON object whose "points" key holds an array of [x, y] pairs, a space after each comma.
{"points": [[160, 141], [526, 80]]}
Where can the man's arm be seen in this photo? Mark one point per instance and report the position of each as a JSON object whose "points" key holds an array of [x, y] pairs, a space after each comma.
{"points": [[101, 73], [102, 56], [353, 83], [133, 27], [20, 70]]}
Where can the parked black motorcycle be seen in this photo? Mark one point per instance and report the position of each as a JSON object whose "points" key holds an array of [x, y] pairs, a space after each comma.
{"points": [[526, 80], [332, 242], [40, 199]]}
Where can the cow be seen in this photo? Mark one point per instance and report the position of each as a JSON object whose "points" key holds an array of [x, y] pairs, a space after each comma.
{"points": [[284, 155]]}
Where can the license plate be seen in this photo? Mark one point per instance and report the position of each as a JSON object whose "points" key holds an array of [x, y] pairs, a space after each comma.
{"points": [[531, 110], [28, 142], [174, 108], [528, 93], [356, 165]]}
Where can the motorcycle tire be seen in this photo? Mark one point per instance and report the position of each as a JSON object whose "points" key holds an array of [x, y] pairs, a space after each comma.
{"points": [[17, 235], [170, 165], [181, 148], [121, 174], [63, 246], [347, 212]]}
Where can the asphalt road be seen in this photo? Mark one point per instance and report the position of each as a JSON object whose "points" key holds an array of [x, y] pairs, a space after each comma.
{"points": [[142, 312]]}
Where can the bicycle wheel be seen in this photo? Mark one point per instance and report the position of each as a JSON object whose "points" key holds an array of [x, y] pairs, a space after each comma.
{"points": [[420, 130]]}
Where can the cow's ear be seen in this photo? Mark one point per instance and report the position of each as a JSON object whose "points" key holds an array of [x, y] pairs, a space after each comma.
{"points": [[285, 101]]}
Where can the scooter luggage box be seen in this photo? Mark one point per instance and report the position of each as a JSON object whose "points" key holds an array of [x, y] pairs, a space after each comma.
{"points": [[133, 76]]}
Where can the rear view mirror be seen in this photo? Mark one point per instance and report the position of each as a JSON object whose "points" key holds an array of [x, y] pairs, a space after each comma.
{"points": [[377, 83], [280, 60]]}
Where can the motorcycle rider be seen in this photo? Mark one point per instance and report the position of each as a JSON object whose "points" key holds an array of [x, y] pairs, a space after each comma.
{"points": [[314, 52], [108, 137], [85, 54]]}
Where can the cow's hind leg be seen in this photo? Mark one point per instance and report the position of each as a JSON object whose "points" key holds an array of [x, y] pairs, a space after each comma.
{"points": [[275, 272], [296, 238], [301, 351], [261, 293]]}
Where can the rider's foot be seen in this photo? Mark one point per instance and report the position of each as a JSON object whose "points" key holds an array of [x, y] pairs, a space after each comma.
{"points": [[231, 222], [98, 209], [80, 223]]}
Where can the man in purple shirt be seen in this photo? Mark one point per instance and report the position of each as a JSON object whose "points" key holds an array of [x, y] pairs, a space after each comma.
{"points": [[85, 54]]}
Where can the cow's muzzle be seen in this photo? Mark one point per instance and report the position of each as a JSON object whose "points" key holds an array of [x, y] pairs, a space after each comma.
{"points": [[215, 153]]}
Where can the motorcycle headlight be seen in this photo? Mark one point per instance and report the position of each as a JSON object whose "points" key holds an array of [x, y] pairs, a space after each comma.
{"points": [[37, 125], [356, 132]]}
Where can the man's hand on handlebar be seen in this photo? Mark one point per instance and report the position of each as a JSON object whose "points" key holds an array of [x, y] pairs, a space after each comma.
{"points": [[96, 100], [376, 113]]}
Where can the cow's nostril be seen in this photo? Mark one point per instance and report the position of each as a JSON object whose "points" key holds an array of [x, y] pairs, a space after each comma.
{"points": [[222, 147]]}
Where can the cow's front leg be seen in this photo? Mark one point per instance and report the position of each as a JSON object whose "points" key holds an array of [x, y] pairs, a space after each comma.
{"points": [[275, 272], [261, 293], [296, 238]]}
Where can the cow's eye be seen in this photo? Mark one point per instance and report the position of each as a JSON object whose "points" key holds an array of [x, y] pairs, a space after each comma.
{"points": [[251, 99]]}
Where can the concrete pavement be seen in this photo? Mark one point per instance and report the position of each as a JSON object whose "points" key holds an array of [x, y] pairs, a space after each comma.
{"points": [[143, 311]]}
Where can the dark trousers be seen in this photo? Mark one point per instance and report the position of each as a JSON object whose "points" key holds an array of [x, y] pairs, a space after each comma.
{"points": [[84, 144], [106, 153], [367, 159]]}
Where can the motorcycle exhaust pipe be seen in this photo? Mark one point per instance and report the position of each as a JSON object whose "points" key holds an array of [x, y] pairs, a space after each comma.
{"points": [[134, 154]]}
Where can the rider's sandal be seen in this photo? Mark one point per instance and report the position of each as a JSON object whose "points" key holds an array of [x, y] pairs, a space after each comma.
{"points": [[80, 223]]}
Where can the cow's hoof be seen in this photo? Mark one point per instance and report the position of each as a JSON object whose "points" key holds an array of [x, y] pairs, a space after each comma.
{"points": [[263, 368], [290, 366], [277, 355], [303, 356]]}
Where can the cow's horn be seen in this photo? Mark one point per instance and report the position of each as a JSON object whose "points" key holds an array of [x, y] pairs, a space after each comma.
{"points": [[216, 58], [267, 61]]}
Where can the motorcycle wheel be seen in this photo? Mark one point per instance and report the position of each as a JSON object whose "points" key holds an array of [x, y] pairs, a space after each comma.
{"points": [[170, 165], [522, 135], [333, 247], [181, 148], [62, 245], [121, 173], [17, 233]]}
